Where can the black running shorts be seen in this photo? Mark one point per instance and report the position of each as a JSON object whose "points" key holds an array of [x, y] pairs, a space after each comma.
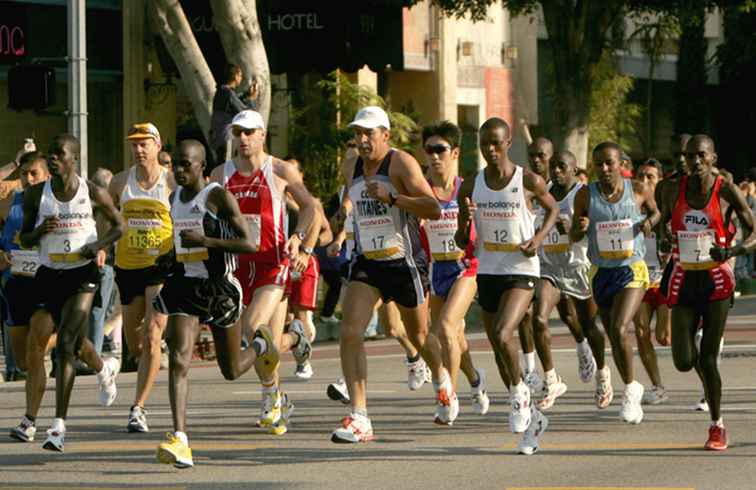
{"points": [[132, 282], [491, 287], [395, 280], [215, 301], [56, 286]]}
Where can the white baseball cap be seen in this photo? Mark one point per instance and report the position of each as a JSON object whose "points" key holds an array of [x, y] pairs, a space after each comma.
{"points": [[248, 119], [371, 117]]}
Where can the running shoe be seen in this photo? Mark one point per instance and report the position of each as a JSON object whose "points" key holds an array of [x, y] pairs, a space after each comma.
{"points": [[303, 349], [529, 442], [586, 365], [479, 394], [304, 370], [416, 374], [717, 438], [270, 412], [173, 451], [106, 381], [701, 405], [519, 417], [534, 382], [354, 428], [631, 411], [338, 391], [552, 391], [604, 391], [266, 363], [54, 441], [655, 396], [137, 420], [24, 431], [447, 405], [287, 410]]}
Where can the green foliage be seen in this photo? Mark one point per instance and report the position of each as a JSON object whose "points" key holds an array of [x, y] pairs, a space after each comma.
{"points": [[319, 143], [612, 117]]}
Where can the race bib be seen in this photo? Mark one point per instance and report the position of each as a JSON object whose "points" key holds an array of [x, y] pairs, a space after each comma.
{"points": [[24, 262], [555, 242], [694, 249], [500, 232], [615, 239], [378, 237], [440, 235], [184, 254], [64, 246], [255, 225], [144, 235]]}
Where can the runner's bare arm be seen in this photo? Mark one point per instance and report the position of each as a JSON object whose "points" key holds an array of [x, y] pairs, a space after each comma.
{"points": [[580, 219], [732, 195], [415, 194], [466, 214], [228, 209], [536, 185], [117, 183], [309, 218], [30, 236], [646, 201], [326, 236]]}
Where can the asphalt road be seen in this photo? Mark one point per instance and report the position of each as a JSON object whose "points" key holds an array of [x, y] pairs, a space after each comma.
{"points": [[584, 448]]}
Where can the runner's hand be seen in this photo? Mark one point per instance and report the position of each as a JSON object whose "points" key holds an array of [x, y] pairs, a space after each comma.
{"points": [[563, 225], [721, 254], [462, 236], [192, 239], [101, 258], [333, 249], [530, 247], [299, 262], [377, 190], [663, 334], [583, 223], [646, 227], [90, 251], [47, 226]]}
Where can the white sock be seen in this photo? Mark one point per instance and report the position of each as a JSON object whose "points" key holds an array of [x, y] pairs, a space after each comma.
{"points": [[441, 382], [551, 376], [182, 437], [58, 425], [719, 422], [269, 388], [529, 362], [261, 344], [583, 346]]}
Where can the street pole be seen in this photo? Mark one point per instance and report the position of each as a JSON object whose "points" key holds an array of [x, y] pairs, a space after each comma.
{"points": [[77, 78]]}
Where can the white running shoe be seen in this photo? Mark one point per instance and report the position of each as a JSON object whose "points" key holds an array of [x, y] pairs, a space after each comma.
{"points": [[106, 381], [137, 420], [534, 382], [54, 441], [287, 410], [338, 391], [604, 392], [354, 428], [24, 431], [529, 442], [416, 374], [552, 391], [655, 396], [631, 411], [270, 412], [701, 405], [447, 405], [480, 400], [303, 349], [586, 365], [304, 371], [519, 399]]}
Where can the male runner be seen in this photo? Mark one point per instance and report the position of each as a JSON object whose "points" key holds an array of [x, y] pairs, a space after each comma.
{"points": [[616, 213], [565, 285], [508, 267], [142, 193], [452, 272], [260, 183], [388, 194], [702, 282], [654, 301], [58, 217], [208, 231]]}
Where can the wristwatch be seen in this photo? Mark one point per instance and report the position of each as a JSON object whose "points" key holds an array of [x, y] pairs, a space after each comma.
{"points": [[307, 250], [301, 235], [392, 198]]}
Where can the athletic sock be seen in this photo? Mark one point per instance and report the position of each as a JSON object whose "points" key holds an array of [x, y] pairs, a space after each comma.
{"points": [[362, 412], [438, 384], [181, 436], [529, 362], [58, 425], [718, 423], [260, 346], [583, 346], [551, 376], [476, 383], [271, 388], [413, 359]]}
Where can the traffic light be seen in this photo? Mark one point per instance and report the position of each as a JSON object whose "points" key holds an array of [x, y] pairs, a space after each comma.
{"points": [[31, 86]]}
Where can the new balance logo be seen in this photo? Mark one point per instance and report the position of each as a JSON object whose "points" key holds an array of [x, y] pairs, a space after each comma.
{"points": [[83, 200]]}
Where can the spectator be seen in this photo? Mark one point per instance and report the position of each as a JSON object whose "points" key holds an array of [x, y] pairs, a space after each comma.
{"points": [[582, 176], [226, 104], [164, 159]]}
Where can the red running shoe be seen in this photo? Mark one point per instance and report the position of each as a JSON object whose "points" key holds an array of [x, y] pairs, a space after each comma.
{"points": [[717, 438]]}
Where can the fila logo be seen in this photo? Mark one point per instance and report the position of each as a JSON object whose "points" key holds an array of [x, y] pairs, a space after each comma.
{"points": [[195, 209], [696, 220]]}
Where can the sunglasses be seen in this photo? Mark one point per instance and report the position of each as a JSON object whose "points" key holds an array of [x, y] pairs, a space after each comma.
{"points": [[142, 130], [238, 131], [437, 149]]}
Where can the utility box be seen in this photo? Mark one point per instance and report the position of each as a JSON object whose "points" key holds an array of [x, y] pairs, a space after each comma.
{"points": [[31, 86]]}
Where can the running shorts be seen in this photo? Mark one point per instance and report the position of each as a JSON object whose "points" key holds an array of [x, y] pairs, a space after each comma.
{"points": [[695, 288], [491, 287], [23, 298], [572, 282], [254, 275], [56, 286], [443, 274], [606, 282], [215, 301], [302, 289], [654, 297], [395, 280], [132, 282]]}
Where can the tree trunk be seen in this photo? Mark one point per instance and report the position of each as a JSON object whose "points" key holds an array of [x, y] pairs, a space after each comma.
{"points": [[692, 108], [195, 74], [239, 29]]}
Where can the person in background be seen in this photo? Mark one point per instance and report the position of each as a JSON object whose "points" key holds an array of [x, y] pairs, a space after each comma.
{"points": [[582, 176], [226, 104], [164, 159]]}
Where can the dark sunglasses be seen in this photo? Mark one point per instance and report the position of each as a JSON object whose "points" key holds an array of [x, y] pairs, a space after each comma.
{"points": [[436, 149], [238, 131]]}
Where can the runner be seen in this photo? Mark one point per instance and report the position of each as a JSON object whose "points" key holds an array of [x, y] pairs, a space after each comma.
{"points": [[654, 301], [389, 194], [611, 213], [260, 182], [702, 283], [498, 202], [208, 231], [142, 193], [564, 284], [452, 272], [58, 217]]}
